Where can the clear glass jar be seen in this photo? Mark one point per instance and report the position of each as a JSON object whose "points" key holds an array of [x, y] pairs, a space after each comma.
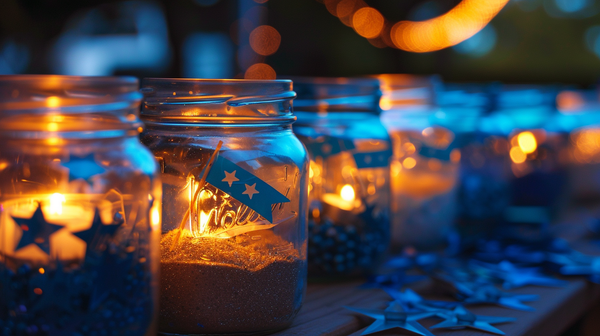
{"points": [[233, 249], [349, 150], [79, 208], [425, 163]]}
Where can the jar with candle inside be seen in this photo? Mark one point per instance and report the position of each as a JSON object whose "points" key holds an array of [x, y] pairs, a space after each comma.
{"points": [[233, 246], [349, 150], [80, 202], [538, 151], [425, 163]]}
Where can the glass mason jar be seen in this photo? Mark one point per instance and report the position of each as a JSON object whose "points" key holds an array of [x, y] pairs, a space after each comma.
{"points": [[425, 163], [538, 152], [79, 208], [484, 189], [579, 115], [349, 150], [233, 248]]}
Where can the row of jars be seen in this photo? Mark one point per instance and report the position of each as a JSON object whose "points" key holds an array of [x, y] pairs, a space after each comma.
{"points": [[229, 203]]}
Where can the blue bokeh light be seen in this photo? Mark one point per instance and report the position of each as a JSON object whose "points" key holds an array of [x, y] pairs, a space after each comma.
{"points": [[208, 55], [479, 44]]}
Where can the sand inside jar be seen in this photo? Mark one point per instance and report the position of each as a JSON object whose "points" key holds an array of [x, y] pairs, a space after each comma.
{"points": [[246, 284]]}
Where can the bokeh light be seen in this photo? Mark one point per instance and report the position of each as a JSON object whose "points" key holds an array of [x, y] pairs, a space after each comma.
{"points": [[265, 40], [527, 142], [260, 71], [368, 22], [479, 44], [451, 28]]}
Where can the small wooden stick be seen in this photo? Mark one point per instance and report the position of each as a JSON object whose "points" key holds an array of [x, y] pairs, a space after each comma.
{"points": [[201, 185]]}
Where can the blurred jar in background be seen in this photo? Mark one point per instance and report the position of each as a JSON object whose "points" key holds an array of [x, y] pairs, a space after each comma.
{"points": [[484, 189], [538, 151], [579, 115], [424, 167], [349, 150]]}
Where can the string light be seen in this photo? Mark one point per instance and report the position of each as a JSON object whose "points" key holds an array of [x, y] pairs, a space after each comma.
{"points": [[457, 25]]}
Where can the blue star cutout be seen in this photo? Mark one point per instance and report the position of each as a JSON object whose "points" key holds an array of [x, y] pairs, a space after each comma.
{"points": [[394, 317], [515, 277], [83, 167], [462, 318], [411, 301], [36, 230], [93, 236], [491, 295]]}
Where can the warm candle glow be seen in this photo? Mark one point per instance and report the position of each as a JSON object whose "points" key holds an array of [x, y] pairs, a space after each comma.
{"points": [[56, 203], [517, 155], [527, 142], [347, 193]]}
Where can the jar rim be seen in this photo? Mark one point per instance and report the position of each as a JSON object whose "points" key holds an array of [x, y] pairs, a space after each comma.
{"points": [[57, 106], [217, 101], [337, 94]]}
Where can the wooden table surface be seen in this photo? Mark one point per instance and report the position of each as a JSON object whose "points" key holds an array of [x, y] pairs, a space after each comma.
{"points": [[555, 310]]}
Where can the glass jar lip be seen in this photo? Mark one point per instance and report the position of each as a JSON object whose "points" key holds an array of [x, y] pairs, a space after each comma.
{"points": [[337, 94], [57, 106], [199, 101], [69, 94]]}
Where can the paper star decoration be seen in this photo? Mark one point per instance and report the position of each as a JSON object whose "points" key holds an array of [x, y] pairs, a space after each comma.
{"points": [[489, 294], [394, 317], [411, 301], [83, 167], [97, 231], [250, 190], [462, 318], [36, 230], [518, 277], [230, 178]]}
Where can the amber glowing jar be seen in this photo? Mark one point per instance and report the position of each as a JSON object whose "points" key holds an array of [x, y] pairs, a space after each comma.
{"points": [[424, 166], [79, 208], [233, 248]]}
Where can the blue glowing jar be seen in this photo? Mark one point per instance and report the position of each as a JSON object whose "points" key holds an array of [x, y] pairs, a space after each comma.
{"points": [[80, 202], [538, 152], [349, 150]]}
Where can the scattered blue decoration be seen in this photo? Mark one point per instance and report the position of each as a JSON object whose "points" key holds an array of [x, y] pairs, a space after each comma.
{"points": [[514, 277], [394, 317], [462, 318]]}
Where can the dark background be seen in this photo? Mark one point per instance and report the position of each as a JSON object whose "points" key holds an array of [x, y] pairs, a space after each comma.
{"points": [[551, 41]]}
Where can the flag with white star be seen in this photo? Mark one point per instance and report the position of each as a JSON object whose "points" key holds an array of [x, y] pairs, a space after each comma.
{"points": [[244, 187]]}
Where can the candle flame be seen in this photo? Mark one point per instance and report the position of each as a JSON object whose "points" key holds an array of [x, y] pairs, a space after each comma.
{"points": [[56, 203], [347, 193], [527, 142]]}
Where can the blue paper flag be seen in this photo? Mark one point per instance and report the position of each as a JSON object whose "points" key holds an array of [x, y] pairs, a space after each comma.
{"points": [[244, 187]]}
